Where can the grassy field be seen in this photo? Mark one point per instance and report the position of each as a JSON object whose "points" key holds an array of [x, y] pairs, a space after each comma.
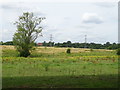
{"points": [[53, 68]]}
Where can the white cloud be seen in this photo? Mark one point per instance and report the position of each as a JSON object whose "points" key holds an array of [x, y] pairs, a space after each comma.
{"points": [[92, 18], [64, 21]]}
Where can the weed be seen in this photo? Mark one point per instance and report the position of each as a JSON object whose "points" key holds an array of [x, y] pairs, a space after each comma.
{"points": [[46, 65]]}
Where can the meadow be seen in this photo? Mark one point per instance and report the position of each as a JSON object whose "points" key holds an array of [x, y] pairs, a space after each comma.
{"points": [[52, 67]]}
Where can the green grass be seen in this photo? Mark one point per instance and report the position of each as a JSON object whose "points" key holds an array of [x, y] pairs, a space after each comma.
{"points": [[86, 81], [96, 69]]}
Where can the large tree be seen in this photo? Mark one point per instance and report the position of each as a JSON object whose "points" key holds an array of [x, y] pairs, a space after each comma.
{"points": [[28, 30]]}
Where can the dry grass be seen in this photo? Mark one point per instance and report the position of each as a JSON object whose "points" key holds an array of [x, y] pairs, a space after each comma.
{"points": [[53, 49], [63, 49], [7, 47], [60, 50]]}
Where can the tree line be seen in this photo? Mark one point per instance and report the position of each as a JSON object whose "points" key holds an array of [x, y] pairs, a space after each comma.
{"points": [[107, 45]]}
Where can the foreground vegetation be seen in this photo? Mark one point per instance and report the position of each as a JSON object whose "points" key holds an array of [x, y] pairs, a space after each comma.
{"points": [[53, 68]]}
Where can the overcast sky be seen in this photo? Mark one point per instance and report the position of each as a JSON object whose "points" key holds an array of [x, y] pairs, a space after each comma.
{"points": [[65, 20]]}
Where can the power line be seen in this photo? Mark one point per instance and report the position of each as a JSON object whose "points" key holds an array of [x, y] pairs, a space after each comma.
{"points": [[51, 38], [85, 41]]}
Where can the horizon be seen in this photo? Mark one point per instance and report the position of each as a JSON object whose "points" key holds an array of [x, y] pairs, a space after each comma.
{"points": [[67, 41]]}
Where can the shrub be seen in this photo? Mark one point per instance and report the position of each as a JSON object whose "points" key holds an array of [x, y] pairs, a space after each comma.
{"points": [[118, 51], [68, 50], [91, 49]]}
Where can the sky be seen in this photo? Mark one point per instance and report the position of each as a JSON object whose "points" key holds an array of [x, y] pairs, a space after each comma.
{"points": [[66, 21]]}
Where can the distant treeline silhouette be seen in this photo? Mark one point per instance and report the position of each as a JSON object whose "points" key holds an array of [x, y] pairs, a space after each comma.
{"points": [[107, 45]]}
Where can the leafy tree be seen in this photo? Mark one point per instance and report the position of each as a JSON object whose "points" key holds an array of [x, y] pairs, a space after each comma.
{"points": [[69, 43], [44, 43], [28, 30], [113, 46], [107, 44]]}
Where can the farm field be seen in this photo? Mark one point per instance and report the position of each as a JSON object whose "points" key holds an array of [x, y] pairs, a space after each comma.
{"points": [[52, 67]]}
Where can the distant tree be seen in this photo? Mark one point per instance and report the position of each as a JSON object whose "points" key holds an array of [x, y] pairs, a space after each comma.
{"points": [[107, 45], [1, 43], [7, 43], [35, 44], [64, 44], [28, 30], [44, 43], [51, 44], [68, 43], [57, 44], [113, 46]]}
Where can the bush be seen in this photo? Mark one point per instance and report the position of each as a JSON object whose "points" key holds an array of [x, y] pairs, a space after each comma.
{"points": [[24, 53], [118, 51], [91, 49], [68, 51]]}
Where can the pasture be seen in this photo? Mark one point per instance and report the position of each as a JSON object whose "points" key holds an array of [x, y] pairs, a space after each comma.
{"points": [[52, 67]]}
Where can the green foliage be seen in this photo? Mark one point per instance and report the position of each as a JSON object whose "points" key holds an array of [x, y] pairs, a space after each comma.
{"points": [[28, 30], [91, 49], [107, 45], [7, 43], [113, 46], [68, 50], [118, 51], [1, 43]]}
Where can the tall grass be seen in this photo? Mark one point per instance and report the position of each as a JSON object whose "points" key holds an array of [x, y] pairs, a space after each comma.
{"points": [[57, 68]]}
